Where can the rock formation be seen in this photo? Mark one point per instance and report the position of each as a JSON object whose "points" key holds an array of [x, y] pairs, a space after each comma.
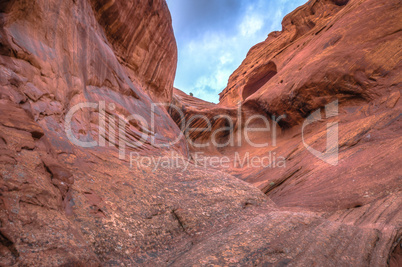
{"points": [[80, 133], [327, 52]]}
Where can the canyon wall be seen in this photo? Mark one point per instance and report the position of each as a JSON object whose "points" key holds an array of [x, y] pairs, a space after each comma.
{"points": [[142, 38], [72, 74], [327, 49]]}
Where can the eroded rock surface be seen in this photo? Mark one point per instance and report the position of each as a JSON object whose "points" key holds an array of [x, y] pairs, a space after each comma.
{"points": [[325, 50], [62, 203]]}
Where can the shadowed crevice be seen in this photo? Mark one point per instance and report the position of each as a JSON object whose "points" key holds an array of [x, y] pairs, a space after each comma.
{"points": [[259, 77]]}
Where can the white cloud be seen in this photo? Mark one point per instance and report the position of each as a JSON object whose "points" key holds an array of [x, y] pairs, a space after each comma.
{"points": [[217, 80], [226, 58], [207, 60], [250, 25]]}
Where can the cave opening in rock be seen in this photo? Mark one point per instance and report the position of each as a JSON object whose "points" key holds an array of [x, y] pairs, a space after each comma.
{"points": [[259, 77], [340, 2]]}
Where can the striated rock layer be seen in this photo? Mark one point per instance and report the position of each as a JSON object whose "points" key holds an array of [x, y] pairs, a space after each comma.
{"points": [[329, 50], [142, 38], [67, 201]]}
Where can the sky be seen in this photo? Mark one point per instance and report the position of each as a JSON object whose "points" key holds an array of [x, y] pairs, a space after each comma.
{"points": [[214, 36]]}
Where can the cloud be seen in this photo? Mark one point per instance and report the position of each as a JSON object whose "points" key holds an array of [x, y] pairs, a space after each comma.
{"points": [[194, 17], [251, 25], [214, 37]]}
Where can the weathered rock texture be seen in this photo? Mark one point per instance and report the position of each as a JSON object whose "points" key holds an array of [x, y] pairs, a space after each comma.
{"points": [[326, 49], [330, 50], [142, 37], [64, 204]]}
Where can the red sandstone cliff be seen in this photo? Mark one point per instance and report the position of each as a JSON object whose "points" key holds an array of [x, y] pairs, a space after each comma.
{"points": [[326, 49], [64, 204]]}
